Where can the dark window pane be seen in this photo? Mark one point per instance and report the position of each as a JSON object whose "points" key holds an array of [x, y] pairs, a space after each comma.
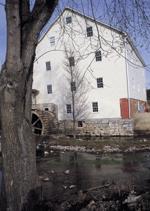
{"points": [[95, 106], [100, 83], [68, 20], [89, 31], [68, 107], [98, 56], [49, 89], [80, 124], [48, 66]]}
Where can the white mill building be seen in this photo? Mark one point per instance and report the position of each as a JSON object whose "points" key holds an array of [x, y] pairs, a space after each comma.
{"points": [[98, 63]]}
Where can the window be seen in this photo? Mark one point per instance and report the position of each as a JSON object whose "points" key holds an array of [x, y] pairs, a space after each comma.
{"points": [[95, 106], [71, 61], [48, 66], [52, 41], [46, 109], [68, 107], [68, 19], [73, 86], [49, 89], [100, 83], [98, 56], [89, 31], [80, 123]]}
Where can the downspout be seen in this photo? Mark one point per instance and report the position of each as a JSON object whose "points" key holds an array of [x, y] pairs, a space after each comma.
{"points": [[127, 77]]}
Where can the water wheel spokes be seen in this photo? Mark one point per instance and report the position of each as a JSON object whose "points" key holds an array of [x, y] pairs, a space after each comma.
{"points": [[36, 124]]}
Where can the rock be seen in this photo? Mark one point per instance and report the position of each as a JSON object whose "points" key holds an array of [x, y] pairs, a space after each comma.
{"points": [[46, 153], [65, 205], [52, 171], [82, 195], [46, 179], [132, 199], [72, 186], [145, 140], [65, 187], [41, 177], [67, 171], [92, 205]]}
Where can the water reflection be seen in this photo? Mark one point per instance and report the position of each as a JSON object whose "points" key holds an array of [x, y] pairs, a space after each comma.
{"points": [[98, 161], [131, 163], [89, 170], [128, 171]]}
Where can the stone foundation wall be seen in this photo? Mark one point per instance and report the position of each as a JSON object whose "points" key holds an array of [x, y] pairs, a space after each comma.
{"points": [[101, 127]]}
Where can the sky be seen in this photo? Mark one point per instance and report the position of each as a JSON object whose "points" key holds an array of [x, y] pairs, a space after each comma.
{"points": [[144, 48]]}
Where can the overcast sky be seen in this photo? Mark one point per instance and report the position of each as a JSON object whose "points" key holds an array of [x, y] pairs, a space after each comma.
{"points": [[144, 51]]}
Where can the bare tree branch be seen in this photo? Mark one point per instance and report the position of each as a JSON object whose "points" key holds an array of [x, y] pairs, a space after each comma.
{"points": [[40, 14]]}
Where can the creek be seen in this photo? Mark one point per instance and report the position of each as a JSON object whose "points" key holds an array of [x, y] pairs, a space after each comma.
{"points": [[131, 170], [65, 173]]}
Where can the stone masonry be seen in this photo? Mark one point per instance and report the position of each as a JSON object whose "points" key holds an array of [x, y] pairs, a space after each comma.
{"points": [[101, 127]]}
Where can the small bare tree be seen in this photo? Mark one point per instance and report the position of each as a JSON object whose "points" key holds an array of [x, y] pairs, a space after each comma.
{"points": [[76, 88]]}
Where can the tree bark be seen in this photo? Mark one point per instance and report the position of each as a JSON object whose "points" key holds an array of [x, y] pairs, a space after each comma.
{"points": [[18, 145]]}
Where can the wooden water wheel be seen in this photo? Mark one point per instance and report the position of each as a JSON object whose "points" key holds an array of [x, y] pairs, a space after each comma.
{"points": [[37, 126]]}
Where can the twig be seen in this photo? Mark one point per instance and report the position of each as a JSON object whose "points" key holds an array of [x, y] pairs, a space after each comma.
{"points": [[99, 187]]}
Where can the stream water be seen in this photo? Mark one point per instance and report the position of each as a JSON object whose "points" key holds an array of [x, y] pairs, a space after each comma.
{"points": [[131, 170], [82, 171]]}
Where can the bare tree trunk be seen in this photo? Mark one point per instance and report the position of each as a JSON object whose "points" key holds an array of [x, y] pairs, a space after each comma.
{"points": [[18, 146]]}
